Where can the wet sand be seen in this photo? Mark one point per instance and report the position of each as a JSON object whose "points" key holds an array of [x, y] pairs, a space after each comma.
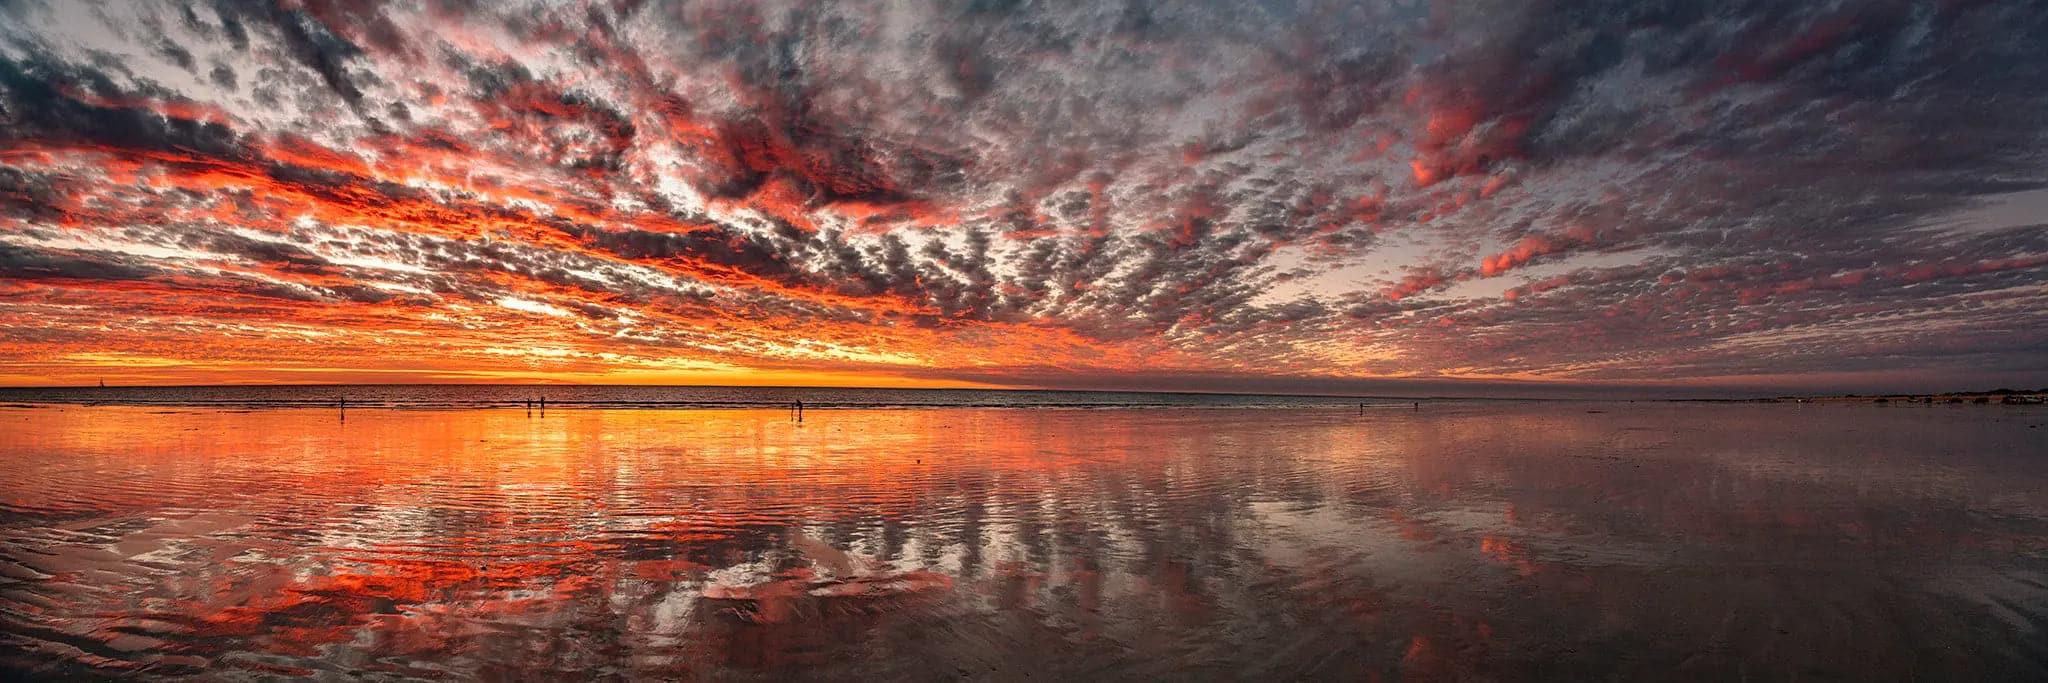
{"points": [[1483, 540]]}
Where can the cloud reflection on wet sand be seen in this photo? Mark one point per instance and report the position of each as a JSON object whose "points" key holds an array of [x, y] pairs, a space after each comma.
{"points": [[1481, 539]]}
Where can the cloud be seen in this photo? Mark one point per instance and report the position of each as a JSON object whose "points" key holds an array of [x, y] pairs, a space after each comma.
{"points": [[1571, 192]]}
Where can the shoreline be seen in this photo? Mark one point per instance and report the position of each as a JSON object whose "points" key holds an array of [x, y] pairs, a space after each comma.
{"points": [[1995, 397], [1349, 408]]}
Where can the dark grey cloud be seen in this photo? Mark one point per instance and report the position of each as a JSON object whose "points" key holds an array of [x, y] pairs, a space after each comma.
{"points": [[38, 104], [34, 264]]}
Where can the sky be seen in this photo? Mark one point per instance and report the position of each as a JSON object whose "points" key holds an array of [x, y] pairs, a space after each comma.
{"points": [[1520, 196]]}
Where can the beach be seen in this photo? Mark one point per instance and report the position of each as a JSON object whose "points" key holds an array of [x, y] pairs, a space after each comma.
{"points": [[1501, 540]]}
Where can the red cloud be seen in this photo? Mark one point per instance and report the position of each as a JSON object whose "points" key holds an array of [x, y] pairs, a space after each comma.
{"points": [[1524, 251]]}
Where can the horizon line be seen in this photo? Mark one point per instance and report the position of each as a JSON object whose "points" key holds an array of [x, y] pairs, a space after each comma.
{"points": [[1304, 394]]}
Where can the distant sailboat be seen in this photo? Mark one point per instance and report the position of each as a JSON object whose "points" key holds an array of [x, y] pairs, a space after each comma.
{"points": [[103, 384]]}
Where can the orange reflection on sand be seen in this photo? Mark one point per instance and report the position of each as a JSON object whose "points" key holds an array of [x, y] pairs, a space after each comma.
{"points": [[414, 525], [914, 543]]}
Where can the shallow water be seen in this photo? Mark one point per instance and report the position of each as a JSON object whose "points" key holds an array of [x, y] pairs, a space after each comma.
{"points": [[1483, 540], [445, 396]]}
